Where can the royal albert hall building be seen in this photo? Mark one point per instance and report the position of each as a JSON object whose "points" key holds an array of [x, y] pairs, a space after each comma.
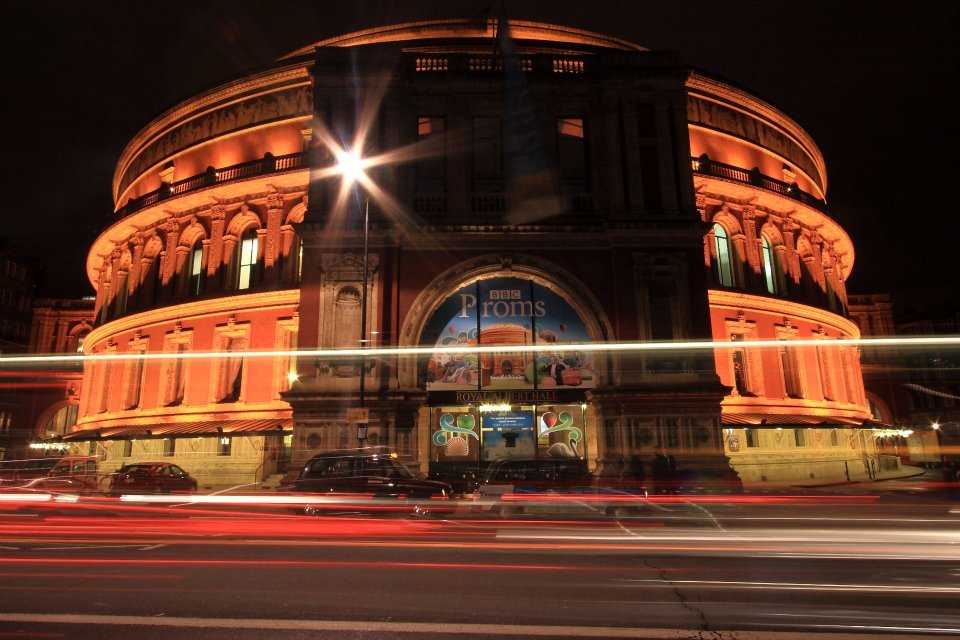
{"points": [[561, 188]]}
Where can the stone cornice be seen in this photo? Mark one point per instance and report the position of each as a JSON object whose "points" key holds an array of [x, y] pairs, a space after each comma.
{"points": [[194, 309], [780, 307], [283, 78], [712, 88], [467, 28], [793, 212]]}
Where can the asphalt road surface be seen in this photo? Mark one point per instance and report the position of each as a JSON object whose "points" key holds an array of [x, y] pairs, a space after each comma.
{"points": [[772, 567]]}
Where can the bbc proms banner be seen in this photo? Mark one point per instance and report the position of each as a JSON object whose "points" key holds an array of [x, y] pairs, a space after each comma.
{"points": [[507, 311]]}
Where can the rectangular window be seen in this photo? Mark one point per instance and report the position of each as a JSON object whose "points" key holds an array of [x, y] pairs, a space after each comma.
{"points": [[248, 261], [106, 382], [487, 156], [834, 437], [196, 271], [431, 174], [799, 437], [91, 448], [287, 362], [230, 381], [176, 376], [751, 436], [127, 448], [169, 447], [224, 446], [791, 372], [134, 383], [741, 368], [572, 155], [826, 377]]}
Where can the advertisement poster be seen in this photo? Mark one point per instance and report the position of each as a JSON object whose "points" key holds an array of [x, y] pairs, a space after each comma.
{"points": [[558, 436], [456, 436], [507, 311], [508, 434]]}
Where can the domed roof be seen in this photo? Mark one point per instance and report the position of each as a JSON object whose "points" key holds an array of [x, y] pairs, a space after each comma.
{"points": [[481, 32]]}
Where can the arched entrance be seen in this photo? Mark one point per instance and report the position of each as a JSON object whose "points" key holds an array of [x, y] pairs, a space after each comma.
{"points": [[504, 377]]}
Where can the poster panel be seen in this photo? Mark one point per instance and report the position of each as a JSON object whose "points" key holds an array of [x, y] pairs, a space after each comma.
{"points": [[508, 435], [505, 312]]}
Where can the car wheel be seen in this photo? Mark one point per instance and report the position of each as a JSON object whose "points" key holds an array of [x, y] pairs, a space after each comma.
{"points": [[510, 510]]}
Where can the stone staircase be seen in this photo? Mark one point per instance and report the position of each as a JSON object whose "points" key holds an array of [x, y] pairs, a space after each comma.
{"points": [[271, 482]]}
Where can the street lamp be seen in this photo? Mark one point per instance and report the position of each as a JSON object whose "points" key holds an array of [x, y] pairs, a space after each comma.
{"points": [[352, 171]]}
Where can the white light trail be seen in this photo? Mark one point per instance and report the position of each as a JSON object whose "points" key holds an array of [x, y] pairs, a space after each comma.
{"points": [[427, 350]]}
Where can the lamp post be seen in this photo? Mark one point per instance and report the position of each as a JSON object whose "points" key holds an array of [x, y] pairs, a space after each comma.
{"points": [[362, 426], [352, 170]]}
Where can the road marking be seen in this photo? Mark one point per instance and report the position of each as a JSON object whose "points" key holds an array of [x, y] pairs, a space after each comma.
{"points": [[799, 586], [428, 628], [99, 546]]}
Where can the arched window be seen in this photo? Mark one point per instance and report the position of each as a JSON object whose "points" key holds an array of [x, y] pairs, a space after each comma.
{"points": [[299, 255], [193, 270], [347, 321], [123, 290], [62, 421], [247, 259], [770, 266], [724, 256]]}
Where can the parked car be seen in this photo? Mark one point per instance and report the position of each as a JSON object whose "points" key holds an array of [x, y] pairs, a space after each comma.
{"points": [[375, 473], [17, 472], [151, 477], [506, 479], [464, 477], [46, 484]]}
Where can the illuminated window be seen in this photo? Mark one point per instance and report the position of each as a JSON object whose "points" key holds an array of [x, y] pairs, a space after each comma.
{"points": [[194, 270], [723, 263], [225, 446], [247, 259], [770, 266], [299, 258]]}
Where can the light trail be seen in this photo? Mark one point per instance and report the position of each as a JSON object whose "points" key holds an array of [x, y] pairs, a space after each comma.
{"points": [[612, 347]]}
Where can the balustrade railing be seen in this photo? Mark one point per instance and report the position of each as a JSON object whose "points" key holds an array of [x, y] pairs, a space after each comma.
{"points": [[211, 177], [705, 166]]}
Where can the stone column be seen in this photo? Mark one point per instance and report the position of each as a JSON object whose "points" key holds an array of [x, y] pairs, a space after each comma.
{"points": [[217, 216], [172, 229], [792, 259], [272, 237]]}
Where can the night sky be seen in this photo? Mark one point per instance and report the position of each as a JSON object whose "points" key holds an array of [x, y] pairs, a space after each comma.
{"points": [[872, 82]]}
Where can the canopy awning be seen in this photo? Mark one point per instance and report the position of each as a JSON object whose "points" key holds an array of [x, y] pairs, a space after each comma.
{"points": [[211, 428], [786, 420]]}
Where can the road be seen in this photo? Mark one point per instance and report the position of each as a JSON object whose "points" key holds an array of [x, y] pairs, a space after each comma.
{"points": [[772, 567]]}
